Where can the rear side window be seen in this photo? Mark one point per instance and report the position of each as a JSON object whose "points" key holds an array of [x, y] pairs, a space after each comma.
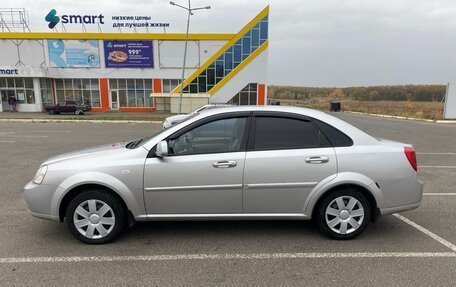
{"points": [[286, 133], [336, 137]]}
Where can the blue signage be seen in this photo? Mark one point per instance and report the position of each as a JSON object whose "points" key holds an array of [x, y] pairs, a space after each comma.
{"points": [[74, 53], [128, 54], [53, 19]]}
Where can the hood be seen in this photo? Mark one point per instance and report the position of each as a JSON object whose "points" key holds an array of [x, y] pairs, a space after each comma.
{"points": [[86, 152]]}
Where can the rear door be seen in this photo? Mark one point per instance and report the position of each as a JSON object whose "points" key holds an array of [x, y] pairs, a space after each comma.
{"points": [[287, 157]]}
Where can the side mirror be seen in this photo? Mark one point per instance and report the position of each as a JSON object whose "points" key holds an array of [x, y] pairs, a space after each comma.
{"points": [[162, 149]]}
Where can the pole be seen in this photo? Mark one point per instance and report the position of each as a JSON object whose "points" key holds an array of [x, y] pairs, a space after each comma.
{"points": [[185, 58]]}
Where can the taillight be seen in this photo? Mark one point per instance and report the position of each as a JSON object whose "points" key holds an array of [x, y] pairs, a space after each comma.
{"points": [[411, 156]]}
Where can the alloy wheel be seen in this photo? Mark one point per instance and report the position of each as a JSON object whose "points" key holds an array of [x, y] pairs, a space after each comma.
{"points": [[94, 219], [344, 215]]}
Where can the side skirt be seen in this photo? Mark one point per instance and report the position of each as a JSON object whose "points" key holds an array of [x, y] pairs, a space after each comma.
{"points": [[230, 216]]}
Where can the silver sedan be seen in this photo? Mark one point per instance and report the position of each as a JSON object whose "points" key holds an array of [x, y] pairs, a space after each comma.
{"points": [[230, 164]]}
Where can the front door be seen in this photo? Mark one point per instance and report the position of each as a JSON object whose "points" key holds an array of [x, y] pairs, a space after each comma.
{"points": [[203, 172], [114, 100], [286, 159], [4, 98]]}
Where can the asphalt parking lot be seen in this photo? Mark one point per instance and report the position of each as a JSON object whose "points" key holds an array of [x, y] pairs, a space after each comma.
{"points": [[416, 248]]}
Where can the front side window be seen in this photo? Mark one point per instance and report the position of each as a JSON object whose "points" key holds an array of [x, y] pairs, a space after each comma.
{"points": [[286, 133], [218, 136]]}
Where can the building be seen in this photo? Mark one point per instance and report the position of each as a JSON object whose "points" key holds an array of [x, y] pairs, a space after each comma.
{"points": [[449, 109], [134, 71]]}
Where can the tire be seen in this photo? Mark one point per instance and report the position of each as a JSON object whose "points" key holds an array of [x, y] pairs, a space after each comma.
{"points": [[51, 112], [100, 214], [343, 214]]}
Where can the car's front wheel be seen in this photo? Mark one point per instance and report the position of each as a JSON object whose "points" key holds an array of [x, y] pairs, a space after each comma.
{"points": [[343, 214], [95, 217], [51, 112]]}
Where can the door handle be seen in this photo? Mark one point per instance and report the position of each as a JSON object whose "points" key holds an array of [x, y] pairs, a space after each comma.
{"points": [[224, 164], [317, 159]]}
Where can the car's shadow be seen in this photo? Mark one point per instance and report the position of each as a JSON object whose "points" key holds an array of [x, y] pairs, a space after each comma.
{"points": [[191, 237]]}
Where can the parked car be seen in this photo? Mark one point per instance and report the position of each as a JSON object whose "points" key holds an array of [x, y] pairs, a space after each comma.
{"points": [[68, 107], [173, 120], [246, 162]]}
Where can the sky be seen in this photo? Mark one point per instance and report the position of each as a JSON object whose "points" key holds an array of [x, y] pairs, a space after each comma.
{"points": [[319, 43]]}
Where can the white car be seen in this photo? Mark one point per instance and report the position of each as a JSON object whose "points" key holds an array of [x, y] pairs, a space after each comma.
{"points": [[173, 120]]}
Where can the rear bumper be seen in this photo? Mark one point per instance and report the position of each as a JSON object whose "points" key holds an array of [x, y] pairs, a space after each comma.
{"points": [[397, 209], [401, 195]]}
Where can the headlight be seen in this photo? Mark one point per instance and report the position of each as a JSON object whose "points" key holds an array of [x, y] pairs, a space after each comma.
{"points": [[39, 176]]}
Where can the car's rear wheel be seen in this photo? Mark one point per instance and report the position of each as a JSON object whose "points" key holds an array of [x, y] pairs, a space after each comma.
{"points": [[95, 217], [343, 214], [51, 112]]}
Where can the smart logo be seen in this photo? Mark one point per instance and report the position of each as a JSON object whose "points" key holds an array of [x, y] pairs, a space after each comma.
{"points": [[52, 19], [72, 19]]}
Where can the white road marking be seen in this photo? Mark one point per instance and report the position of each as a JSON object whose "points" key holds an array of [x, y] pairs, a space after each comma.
{"points": [[6, 133], [427, 232], [438, 193], [176, 257], [437, 153], [437, 166], [47, 131], [23, 136], [7, 141]]}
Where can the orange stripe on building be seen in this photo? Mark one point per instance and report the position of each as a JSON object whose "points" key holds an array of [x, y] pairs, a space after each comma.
{"points": [[104, 93], [157, 85], [261, 99]]}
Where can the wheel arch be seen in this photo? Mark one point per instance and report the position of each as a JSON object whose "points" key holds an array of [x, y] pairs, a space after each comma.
{"points": [[81, 182], [363, 184], [76, 190], [375, 211]]}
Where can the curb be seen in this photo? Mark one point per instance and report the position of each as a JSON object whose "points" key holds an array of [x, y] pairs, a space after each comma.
{"points": [[405, 118], [76, 121]]}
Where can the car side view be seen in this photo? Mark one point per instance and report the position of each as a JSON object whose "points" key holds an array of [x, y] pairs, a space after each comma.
{"points": [[68, 107], [233, 163]]}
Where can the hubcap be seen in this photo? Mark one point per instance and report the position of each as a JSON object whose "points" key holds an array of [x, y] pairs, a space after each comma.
{"points": [[94, 219], [344, 215]]}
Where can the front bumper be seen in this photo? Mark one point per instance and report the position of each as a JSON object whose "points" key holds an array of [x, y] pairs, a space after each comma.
{"points": [[39, 200]]}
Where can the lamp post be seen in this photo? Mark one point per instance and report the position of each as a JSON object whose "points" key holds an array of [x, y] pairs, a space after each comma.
{"points": [[190, 13]]}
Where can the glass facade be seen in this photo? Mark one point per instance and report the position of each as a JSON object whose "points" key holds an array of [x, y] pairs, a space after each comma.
{"points": [[169, 85], [247, 96], [19, 88], [46, 92], [81, 90], [133, 93], [230, 59]]}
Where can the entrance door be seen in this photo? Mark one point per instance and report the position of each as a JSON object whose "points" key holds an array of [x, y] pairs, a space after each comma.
{"points": [[114, 100], [4, 98]]}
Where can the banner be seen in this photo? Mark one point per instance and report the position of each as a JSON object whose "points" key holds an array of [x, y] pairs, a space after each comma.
{"points": [[74, 53], [128, 54]]}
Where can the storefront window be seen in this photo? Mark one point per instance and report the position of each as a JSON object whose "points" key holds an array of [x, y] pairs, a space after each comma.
{"points": [[46, 91], [169, 85], [80, 90], [132, 92], [19, 88]]}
